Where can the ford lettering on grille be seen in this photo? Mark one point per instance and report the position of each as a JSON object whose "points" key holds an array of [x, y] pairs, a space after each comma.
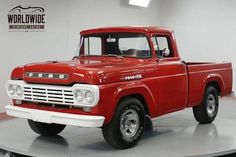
{"points": [[46, 75]]}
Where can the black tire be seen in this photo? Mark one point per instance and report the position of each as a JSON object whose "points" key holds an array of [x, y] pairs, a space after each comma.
{"points": [[114, 132], [45, 129], [148, 125], [206, 112]]}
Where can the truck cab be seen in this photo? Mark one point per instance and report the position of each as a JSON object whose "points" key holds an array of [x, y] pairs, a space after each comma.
{"points": [[156, 48]]}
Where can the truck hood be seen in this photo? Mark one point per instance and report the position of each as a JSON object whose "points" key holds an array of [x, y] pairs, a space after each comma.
{"points": [[87, 70]]}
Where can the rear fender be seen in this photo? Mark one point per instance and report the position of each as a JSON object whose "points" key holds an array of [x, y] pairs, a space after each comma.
{"points": [[214, 78]]}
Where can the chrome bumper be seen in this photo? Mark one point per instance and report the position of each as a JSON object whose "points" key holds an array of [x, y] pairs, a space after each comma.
{"points": [[55, 117]]}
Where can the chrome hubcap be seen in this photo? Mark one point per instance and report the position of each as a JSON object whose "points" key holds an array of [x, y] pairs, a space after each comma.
{"points": [[211, 105], [129, 123]]}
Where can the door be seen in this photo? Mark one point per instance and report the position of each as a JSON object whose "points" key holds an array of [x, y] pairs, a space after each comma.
{"points": [[171, 76]]}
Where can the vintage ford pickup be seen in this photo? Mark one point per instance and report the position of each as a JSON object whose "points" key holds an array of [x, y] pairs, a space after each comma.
{"points": [[119, 77]]}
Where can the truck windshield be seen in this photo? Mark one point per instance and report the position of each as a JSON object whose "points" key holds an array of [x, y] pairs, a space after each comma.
{"points": [[115, 44]]}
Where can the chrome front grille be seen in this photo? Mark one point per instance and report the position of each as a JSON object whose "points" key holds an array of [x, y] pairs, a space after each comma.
{"points": [[49, 95]]}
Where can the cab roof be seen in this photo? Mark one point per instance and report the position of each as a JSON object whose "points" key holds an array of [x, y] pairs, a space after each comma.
{"points": [[140, 29]]}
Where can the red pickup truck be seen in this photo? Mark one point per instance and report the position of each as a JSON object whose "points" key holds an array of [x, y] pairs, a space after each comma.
{"points": [[120, 77]]}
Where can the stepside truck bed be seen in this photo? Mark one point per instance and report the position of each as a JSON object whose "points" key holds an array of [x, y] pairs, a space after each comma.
{"points": [[200, 73]]}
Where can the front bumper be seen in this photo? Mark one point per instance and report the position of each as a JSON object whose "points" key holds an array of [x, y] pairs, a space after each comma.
{"points": [[55, 117]]}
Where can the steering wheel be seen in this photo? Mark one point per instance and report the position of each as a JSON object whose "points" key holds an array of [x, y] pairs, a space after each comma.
{"points": [[131, 52]]}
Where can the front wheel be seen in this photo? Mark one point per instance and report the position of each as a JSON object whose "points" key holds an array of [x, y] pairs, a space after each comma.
{"points": [[45, 129], [127, 125], [206, 112]]}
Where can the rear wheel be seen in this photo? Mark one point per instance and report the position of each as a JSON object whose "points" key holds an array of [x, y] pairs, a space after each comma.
{"points": [[127, 125], [206, 112], [45, 129]]}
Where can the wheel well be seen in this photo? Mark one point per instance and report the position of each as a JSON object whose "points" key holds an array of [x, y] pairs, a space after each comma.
{"points": [[140, 98], [214, 84]]}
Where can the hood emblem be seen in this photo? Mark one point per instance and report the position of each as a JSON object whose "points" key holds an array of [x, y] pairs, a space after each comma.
{"points": [[46, 75], [132, 77]]}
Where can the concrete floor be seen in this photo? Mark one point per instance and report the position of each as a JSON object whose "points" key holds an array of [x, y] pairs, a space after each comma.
{"points": [[176, 134]]}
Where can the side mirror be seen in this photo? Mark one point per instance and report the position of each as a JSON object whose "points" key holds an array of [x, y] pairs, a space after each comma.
{"points": [[165, 52]]}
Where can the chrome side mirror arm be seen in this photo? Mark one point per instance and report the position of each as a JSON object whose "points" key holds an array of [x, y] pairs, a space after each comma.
{"points": [[165, 52]]}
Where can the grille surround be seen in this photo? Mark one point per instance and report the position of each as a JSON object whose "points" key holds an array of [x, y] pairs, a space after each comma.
{"points": [[53, 94]]}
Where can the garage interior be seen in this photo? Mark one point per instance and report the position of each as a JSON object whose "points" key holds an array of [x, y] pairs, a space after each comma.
{"points": [[204, 30]]}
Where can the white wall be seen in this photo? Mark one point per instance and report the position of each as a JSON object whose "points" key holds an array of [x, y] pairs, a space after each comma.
{"points": [[205, 29], [64, 20]]}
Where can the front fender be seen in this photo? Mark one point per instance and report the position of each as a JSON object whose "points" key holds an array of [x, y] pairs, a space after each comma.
{"points": [[111, 94], [137, 88]]}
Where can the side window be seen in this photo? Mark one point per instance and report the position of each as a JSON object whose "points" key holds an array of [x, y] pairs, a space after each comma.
{"points": [[92, 46], [161, 43], [135, 46]]}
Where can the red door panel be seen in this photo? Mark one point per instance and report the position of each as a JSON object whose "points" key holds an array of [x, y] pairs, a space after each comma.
{"points": [[172, 86]]}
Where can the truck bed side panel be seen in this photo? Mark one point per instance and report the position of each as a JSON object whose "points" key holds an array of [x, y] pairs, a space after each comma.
{"points": [[200, 74]]}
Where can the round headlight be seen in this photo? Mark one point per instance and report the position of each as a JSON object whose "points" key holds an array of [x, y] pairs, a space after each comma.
{"points": [[89, 97], [11, 89], [19, 91], [79, 95]]}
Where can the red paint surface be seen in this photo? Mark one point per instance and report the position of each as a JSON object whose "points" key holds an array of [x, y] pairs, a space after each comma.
{"points": [[167, 84]]}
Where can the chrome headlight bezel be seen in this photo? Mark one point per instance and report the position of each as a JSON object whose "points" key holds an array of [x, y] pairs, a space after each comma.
{"points": [[17, 87], [85, 89]]}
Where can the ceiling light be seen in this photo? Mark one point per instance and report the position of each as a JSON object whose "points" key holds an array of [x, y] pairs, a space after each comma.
{"points": [[140, 3]]}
